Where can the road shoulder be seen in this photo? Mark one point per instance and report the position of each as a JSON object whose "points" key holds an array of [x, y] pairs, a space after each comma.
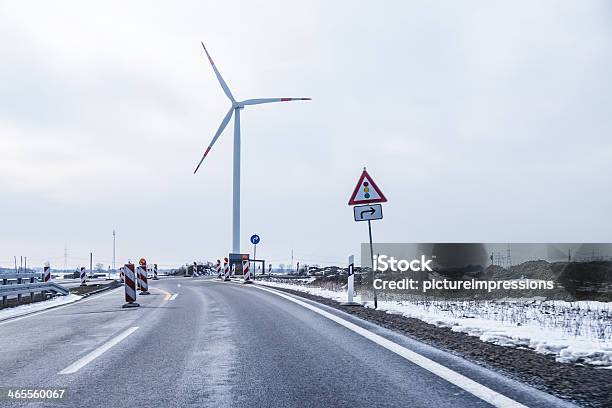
{"points": [[584, 385]]}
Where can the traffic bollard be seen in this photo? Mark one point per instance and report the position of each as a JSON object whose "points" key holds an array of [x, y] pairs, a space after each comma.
{"points": [[226, 269], [83, 276], [246, 270], [46, 277], [350, 284], [46, 273], [143, 282], [130, 286]]}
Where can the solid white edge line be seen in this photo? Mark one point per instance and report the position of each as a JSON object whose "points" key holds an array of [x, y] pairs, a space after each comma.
{"points": [[488, 395], [82, 362]]}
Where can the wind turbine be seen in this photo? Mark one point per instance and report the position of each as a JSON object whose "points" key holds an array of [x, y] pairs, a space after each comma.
{"points": [[235, 110]]}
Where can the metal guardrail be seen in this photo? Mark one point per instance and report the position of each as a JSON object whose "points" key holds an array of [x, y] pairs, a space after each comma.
{"points": [[12, 290], [29, 287], [22, 275]]}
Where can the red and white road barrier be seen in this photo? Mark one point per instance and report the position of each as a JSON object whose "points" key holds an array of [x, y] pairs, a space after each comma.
{"points": [[83, 276], [246, 270], [155, 272], [233, 269], [46, 276], [226, 269], [121, 274], [218, 268], [143, 282], [269, 269], [130, 286], [195, 270]]}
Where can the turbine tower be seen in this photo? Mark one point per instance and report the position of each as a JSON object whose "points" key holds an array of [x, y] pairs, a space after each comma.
{"points": [[235, 110]]}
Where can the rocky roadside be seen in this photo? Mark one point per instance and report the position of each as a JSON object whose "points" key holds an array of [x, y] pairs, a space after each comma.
{"points": [[586, 386]]}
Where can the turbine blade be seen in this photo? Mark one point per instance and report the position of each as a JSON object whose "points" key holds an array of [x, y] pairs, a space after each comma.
{"points": [[219, 77], [224, 123], [270, 100]]}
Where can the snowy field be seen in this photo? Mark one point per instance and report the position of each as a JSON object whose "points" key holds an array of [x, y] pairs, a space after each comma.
{"points": [[574, 332]]}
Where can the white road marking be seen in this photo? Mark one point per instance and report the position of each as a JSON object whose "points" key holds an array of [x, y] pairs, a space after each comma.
{"points": [[82, 362], [488, 395], [173, 296], [79, 302]]}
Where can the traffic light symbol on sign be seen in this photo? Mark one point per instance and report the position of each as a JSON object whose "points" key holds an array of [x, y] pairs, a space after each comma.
{"points": [[366, 191]]}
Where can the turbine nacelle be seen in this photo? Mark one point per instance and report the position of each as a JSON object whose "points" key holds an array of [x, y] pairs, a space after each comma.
{"points": [[242, 104]]}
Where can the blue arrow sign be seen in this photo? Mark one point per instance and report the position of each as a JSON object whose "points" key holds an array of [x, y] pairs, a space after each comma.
{"points": [[255, 239]]}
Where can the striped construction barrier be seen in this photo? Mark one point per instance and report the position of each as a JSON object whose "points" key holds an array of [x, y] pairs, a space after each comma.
{"points": [[246, 270], [218, 267], [155, 272], [121, 273], [83, 276], [226, 269], [46, 276], [130, 286], [269, 269], [143, 282], [233, 269], [195, 270]]}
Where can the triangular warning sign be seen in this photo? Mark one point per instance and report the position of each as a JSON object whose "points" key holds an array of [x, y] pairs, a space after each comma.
{"points": [[366, 191]]}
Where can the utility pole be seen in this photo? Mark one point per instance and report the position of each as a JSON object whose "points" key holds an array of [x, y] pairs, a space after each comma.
{"points": [[15, 263], [113, 250], [292, 260], [65, 258], [91, 264], [509, 256]]}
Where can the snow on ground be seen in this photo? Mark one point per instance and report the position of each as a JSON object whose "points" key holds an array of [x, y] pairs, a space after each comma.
{"points": [[575, 332], [38, 306]]}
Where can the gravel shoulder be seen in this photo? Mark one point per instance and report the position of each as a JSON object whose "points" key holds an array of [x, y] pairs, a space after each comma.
{"points": [[586, 386]]}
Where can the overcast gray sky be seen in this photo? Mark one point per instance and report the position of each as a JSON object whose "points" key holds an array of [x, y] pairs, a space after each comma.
{"points": [[481, 121]]}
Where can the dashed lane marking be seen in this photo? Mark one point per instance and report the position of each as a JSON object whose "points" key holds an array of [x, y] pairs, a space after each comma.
{"points": [[82, 362]]}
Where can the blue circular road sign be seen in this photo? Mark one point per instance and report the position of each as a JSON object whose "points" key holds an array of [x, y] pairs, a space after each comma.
{"points": [[255, 239]]}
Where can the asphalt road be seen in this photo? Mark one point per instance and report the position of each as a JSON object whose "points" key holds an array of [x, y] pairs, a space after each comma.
{"points": [[201, 342]]}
